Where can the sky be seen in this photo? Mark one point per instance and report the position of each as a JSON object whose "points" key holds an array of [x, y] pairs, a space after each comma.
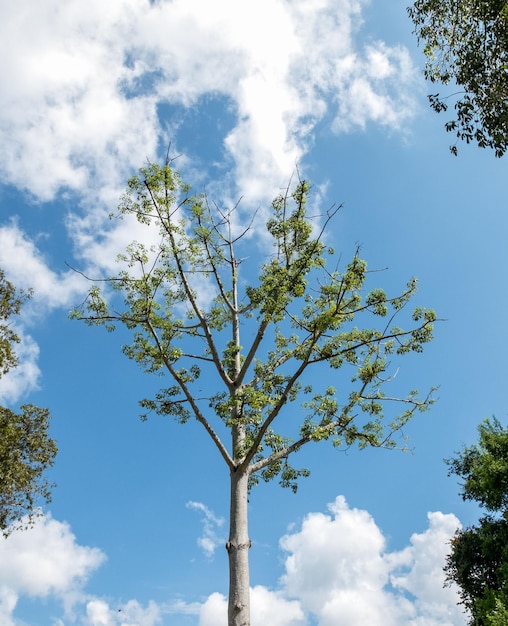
{"points": [[246, 93]]}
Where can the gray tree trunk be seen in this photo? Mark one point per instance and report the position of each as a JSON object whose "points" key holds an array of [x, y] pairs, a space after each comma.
{"points": [[238, 551]]}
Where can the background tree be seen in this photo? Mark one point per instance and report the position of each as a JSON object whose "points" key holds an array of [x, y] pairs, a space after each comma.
{"points": [[466, 43], [478, 562], [26, 450], [194, 316]]}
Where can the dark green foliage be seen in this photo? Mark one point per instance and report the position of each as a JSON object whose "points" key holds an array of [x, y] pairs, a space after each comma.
{"points": [[187, 304], [10, 304], [484, 467], [478, 562], [466, 43], [26, 450]]}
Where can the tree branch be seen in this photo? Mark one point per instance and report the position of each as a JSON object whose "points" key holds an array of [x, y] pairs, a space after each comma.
{"points": [[191, 400], [190, 295]]}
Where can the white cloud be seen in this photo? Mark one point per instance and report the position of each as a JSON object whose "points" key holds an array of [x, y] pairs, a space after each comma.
{"points": [[214, 611], [99, 613], [26, 268], [273, 608], [44, 561], [65, 120], [337, 570], [334, 553], [369, 94], [267, 607], [85, 82], [210, 539], [8, 601], [424, 581], [338, 565]]}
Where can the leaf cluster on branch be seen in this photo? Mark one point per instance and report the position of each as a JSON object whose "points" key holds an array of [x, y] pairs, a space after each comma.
{"points": [[466, 43]]}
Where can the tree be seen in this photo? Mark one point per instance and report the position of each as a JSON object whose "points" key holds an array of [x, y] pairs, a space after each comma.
{"points": [[10, 304], [466, 42], [187, 304], [26, 450], [478, 562]]}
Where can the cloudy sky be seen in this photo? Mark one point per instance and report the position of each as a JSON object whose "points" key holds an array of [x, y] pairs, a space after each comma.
{"points": [[244, 92]]}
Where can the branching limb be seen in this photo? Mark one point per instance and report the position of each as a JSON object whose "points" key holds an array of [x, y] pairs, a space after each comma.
{"points": [[275, 411], [191, 400], [190, 295], [342, 426]]}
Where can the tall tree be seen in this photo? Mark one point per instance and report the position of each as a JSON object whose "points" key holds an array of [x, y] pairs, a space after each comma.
{"points": [[188, 303], [478, 561], [466, 43], [26, 450]]}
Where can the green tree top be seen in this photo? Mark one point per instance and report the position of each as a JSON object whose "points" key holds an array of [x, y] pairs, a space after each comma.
{"points": [[483, 468], [187, 291]]}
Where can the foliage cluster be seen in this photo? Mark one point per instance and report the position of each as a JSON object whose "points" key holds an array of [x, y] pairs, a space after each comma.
{"points": [[466, 43], [478, 562], [26, 450]]}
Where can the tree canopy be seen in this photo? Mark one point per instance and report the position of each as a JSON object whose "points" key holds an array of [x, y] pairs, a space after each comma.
{"points": [[237, 347], [478, 562], [26, 450], [466, 44]]}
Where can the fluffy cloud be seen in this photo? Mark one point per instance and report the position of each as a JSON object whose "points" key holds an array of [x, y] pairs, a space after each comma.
{"points": [[267, 607], [85, 83], [338, 566], [338, 571], [424, 580], [44, 561], [99, 613], [334, 559], [66, 121], [27, 268]]}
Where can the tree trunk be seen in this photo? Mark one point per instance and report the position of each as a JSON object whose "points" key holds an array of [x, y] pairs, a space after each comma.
{"points": [[238, 551]]}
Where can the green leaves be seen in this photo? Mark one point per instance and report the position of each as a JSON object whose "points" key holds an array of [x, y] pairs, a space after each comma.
{"points": [[26, 450], [483, 467], [478, 561], [467, 42], [10, 304], [284, 278]]}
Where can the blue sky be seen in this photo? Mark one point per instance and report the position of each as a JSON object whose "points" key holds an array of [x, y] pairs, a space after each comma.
{"points": [[244, 92]]}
